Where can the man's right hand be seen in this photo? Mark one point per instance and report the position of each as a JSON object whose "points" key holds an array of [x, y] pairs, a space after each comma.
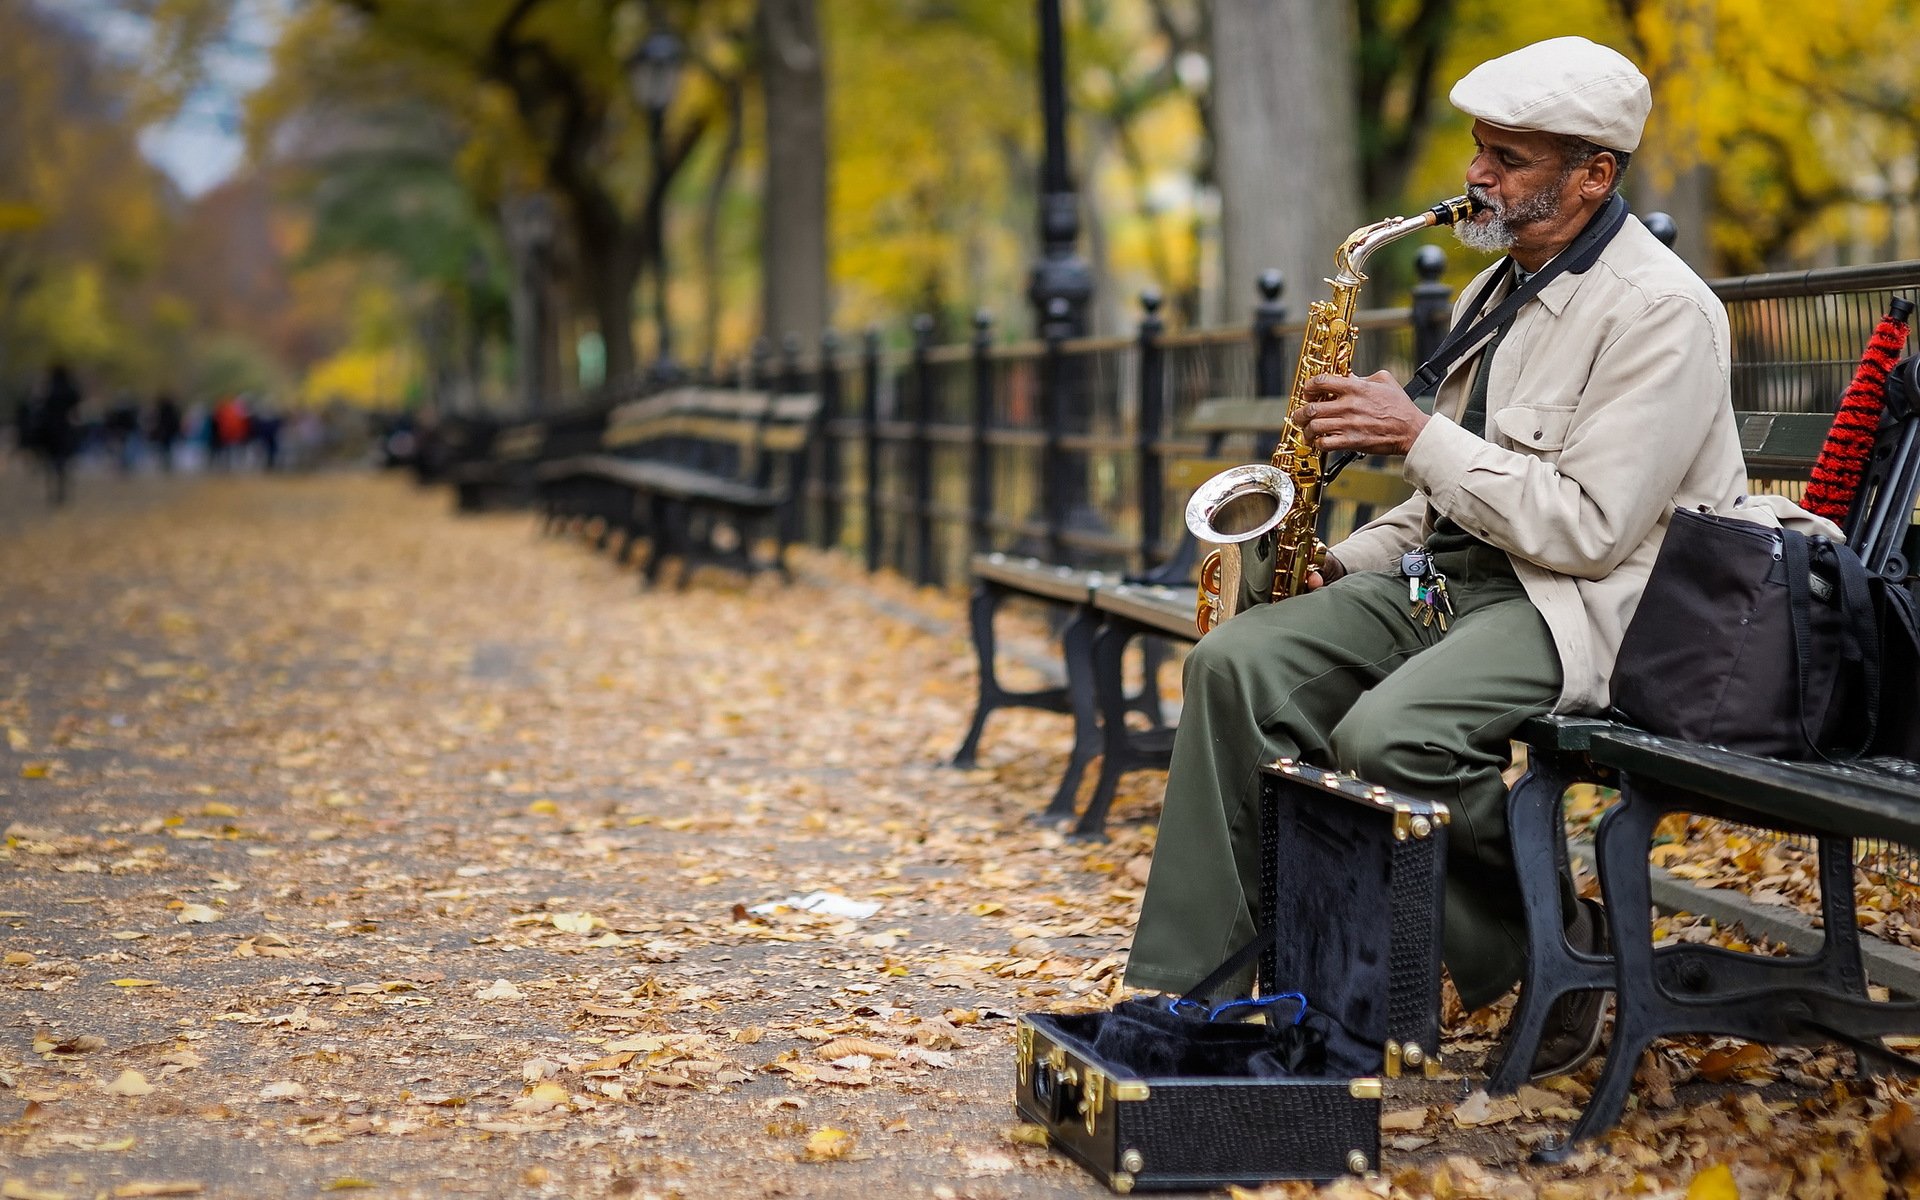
{"points": [[1324, 574]]}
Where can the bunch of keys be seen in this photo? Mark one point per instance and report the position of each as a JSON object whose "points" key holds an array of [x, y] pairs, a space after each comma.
{"points": [[1426, 590]]}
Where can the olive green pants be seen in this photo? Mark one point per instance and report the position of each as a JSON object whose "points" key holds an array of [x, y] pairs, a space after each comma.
{"points": [[1343, 677]]}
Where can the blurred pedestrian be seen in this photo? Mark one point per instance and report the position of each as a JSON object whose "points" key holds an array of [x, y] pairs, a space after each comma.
{"points": [[122, 429], [231, 428], [264, 427], [164, 428], [54, 434]]}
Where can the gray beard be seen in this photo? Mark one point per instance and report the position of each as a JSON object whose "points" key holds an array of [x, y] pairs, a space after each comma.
{"points": [[1495, 234]]}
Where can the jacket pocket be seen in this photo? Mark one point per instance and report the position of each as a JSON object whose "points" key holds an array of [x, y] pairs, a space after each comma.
{"points": [[1536, 426]]}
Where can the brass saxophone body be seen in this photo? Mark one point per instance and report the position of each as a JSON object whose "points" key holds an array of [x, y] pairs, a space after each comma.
{"points": [[1263, 516]]}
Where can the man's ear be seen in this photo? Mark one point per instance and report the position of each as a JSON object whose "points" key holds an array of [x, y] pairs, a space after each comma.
{"points": [[1601, 170]]}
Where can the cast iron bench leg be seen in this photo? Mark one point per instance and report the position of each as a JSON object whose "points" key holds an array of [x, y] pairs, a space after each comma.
{"points": [[1109, 653], [980, 612], [1621, 846], [1537, 831], [1076, 644]]}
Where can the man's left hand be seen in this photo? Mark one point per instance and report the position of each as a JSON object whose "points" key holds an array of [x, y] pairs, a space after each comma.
{"points": [[1371, 415]]}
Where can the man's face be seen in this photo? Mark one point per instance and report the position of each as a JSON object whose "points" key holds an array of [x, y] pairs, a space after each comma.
{"points": [[1521, 177]]}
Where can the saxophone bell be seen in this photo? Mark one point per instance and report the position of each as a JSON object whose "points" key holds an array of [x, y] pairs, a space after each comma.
{"points": [[1240, 504], [1234, 510]]}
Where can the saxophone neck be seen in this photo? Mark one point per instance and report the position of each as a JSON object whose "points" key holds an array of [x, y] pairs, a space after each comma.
{"points": [[1350, 259]]}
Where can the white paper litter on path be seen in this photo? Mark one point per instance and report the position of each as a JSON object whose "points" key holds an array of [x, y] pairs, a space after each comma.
{"points": [[830, 903]]}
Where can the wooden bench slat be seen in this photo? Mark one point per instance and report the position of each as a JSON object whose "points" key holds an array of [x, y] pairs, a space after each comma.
{"points": [[1165, 609], [1847, 801]]}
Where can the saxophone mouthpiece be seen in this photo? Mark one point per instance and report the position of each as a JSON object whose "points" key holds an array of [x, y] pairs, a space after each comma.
{"points": [[1459, 208]]}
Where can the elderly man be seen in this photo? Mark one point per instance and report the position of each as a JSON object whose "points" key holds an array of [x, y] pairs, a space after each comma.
{"points": [[1544, 479]]}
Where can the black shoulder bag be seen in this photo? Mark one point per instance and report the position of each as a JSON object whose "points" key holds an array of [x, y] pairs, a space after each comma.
{"points": [[1761, 640]]}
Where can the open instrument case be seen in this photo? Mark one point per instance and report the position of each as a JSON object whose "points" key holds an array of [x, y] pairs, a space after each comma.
{"points": [[1354, 876]]}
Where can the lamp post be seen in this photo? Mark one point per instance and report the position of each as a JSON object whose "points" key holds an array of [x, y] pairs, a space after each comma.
{"points": [[653, 76], [1060, 274]]}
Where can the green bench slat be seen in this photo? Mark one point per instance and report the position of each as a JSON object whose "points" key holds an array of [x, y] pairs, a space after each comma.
{"points": [[1819, 798]]}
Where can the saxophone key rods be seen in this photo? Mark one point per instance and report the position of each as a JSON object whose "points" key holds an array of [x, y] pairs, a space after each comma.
{"points": [[1266, 513]]}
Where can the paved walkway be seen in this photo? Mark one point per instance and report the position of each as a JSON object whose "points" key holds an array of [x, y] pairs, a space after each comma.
{"points": [[390, 846], [355, 845]]}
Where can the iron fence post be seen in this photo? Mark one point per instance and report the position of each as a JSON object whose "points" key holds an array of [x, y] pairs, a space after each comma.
{"points": [[1153, 383], [981, 499], [870, 422], [757, 359], [922, 456], [1432, 303], [827, 442], [1270, 369], [790, 368], [1053, 416]]}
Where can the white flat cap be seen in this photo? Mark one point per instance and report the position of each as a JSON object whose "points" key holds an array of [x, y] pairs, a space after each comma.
{"points": [[1562, 85]]}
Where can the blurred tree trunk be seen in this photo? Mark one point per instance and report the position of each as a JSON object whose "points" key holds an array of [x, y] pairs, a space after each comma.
{"points": [[1284, 129], [795, 207]]}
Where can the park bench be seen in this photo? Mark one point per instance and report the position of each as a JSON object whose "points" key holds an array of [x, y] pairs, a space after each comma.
{"points": [[1805, 999], [998, 577], [504, 469], [704, 474]]}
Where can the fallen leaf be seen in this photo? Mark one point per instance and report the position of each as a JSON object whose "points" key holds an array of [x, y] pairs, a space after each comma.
{"points": [[139, 1188], [284, 1089], [1482, 1109], [1404, 1120], [1714, 1183], [828, 1145], [130, 1083], [133, 983], [543, 1098], [196, 914], [501, 989]]}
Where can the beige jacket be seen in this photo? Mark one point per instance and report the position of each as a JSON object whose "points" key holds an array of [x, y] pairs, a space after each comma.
{"points": [[1608, 407]]}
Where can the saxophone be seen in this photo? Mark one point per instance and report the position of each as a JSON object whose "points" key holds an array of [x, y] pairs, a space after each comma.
{"points": [[1266, 512]]}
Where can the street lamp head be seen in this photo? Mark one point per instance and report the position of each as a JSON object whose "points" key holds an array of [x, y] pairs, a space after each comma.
{"points": [[653, 71]]}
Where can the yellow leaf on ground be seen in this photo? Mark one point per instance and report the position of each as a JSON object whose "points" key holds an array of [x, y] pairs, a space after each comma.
{"points": [[130, 1083], [137, 983], [544, 1098], [1714, 1183], [348, 1183], [20, 1189], [155, 1187], [828, 1145], [197, 914]]}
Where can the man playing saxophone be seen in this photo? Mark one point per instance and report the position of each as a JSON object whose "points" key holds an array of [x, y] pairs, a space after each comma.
{"points": [[1561, 440]]}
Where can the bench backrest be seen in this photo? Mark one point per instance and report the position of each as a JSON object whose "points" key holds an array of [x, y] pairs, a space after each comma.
{"points": [[755, 437], [1779, 449]]}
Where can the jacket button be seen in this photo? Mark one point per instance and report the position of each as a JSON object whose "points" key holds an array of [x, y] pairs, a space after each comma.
{"points": [[1539, 433]]}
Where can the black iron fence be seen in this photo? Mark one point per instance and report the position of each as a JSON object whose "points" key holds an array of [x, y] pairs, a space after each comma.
{"points": [[1059, 447]]}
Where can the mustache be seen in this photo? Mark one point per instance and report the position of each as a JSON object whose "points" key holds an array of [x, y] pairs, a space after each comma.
{"points": [[1482, 198]]}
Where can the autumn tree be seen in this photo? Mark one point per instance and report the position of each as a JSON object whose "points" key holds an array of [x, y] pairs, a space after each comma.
{"points": [[83, 217]]}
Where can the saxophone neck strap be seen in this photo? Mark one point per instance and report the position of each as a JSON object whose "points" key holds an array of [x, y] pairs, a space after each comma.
{"points": [[1467, 333]]}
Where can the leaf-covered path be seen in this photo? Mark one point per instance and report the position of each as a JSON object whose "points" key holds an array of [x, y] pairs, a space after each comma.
{"points": [[354, 845]]}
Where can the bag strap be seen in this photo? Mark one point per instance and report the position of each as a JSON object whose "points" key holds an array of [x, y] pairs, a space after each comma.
{"points": [[1202, 992], [1467, 332], [1861, 640]]}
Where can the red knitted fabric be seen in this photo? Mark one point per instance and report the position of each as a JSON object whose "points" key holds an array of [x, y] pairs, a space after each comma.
{"points": [[1843, 459]]}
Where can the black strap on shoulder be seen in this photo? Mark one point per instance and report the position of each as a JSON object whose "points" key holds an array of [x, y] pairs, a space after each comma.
{"points": [[1578, 257]]}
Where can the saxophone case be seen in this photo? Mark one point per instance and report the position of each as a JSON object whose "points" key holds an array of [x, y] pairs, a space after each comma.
{"points": [[1144, 1104]]}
